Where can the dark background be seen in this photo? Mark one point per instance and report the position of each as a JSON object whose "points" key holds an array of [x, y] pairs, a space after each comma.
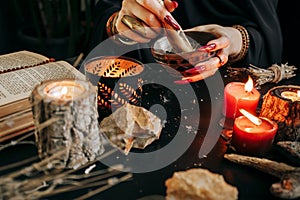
{"points": [[288, 12]]}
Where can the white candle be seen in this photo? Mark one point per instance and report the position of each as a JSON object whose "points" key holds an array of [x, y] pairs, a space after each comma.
{"points": [[293, 96], [64, 90], [59, 111]]}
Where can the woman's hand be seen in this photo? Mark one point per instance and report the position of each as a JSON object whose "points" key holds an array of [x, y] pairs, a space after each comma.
{"points": [[228, 42], [150, 13]]}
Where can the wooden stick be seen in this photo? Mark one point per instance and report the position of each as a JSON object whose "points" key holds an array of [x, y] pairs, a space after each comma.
{"points": [[78, 60], [289, 185], [290, 149], [271, 167]]}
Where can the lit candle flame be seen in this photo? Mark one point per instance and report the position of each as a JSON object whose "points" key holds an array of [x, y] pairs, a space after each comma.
{"points": [[249, 85], [64, 90], [60, 93], [255, 120]]}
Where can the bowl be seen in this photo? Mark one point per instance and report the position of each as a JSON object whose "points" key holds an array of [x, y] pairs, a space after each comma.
{"points": [[163, 54]]}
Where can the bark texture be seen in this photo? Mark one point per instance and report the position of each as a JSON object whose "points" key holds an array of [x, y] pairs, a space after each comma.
{"points": [[70, 125], [285, 112]]}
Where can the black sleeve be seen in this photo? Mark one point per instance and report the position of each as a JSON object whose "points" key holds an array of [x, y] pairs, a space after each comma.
{"points": [[266, 43], [259, 17], [103, 10]]}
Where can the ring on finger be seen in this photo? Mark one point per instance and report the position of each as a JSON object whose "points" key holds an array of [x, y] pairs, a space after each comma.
{"points": [[221, 62], [134, 24]]}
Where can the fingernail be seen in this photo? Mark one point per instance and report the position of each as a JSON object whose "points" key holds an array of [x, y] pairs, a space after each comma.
{"points": [[169, 20], [208, 47], [186, 81], [200, 68], [175, 4], [192, 71], [196, 69]]}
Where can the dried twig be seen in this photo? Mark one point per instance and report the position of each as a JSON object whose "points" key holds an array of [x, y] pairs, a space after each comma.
{"points": [[287, 188], [273, 74], [111, 183], [291, 149], [268, 166], [42, 179], [18, 141]]}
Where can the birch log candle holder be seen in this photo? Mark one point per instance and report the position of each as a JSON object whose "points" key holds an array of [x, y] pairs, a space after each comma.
{"points": [[282, 105], [65, 116]]}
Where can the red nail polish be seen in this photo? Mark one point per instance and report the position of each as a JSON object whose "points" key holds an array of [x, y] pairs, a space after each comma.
{"points": [[175, 4], [200, 68], [208, 47], [192, 71], [196, 69], [186, 81], [200, 49], [169, 20]]}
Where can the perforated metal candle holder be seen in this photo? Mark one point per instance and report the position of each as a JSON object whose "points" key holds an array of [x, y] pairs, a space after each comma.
{"points": [[119, 81], [162, 51]]}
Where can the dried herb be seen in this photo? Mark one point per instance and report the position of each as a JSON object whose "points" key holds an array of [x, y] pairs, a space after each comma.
{"points": [[273, 74]]}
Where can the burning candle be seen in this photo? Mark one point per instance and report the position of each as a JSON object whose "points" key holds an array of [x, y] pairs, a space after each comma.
{"points": [[119, 80], [66, 120], [293, 96], [64, 90], [239, 95], [253, 135]]}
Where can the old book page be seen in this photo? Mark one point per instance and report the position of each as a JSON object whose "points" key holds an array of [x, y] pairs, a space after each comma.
{"points": [[20, 59], [20, 72], [17, 85]]}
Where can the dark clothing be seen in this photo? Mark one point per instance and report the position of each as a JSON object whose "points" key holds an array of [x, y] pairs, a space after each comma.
{"points": [[288, 13], [259, 17]]}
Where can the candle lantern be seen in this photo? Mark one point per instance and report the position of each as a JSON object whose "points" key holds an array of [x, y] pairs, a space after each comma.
{"points": [[253, 135], [119, 81], [282, 105], [239, 95], [66, 119]]}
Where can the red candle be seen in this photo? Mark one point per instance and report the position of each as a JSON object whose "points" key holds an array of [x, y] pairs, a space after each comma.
{"points": [[253, 139], [239, 95]]}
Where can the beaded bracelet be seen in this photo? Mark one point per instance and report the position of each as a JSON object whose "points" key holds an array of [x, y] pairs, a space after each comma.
{"points": [[113, 32], [245, 46]]}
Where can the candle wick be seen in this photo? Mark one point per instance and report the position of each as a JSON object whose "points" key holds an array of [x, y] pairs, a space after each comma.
{"points": [[251, 92]]}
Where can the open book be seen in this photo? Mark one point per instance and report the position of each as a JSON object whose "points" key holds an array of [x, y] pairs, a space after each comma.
{"points": [[20, 72]]}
